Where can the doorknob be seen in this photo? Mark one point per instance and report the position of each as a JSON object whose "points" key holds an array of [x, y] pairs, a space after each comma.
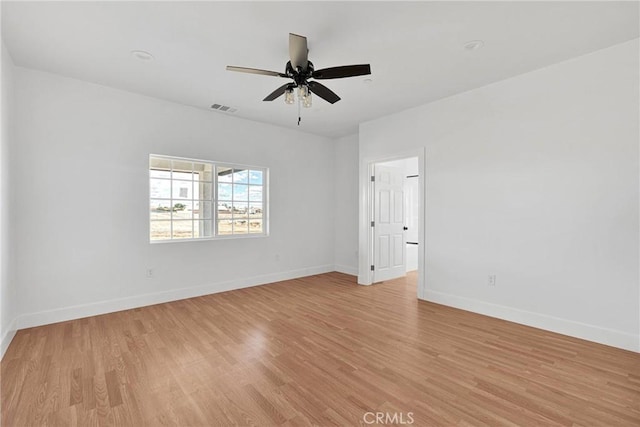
{"points": [[405, 228]]}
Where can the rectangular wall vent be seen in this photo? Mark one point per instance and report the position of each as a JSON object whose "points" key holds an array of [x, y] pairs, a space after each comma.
{"points": [[224, 108]]}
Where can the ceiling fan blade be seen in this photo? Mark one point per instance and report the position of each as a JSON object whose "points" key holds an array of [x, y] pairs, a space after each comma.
{"points": [[343, 71], [298, 51], [255, 71], [278, 92], [323, 92]]}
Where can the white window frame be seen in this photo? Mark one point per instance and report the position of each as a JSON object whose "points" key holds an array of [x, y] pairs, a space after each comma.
{"points": [[214, 200]]}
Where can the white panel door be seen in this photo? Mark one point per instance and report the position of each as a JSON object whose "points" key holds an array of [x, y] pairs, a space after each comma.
{"points": [[389, 243]]}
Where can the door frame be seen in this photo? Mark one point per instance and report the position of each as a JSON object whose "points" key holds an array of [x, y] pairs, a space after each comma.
{"points": [[365, 231]]}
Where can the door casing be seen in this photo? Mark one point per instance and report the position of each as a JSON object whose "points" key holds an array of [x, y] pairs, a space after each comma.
{"points": [[366, 215]]}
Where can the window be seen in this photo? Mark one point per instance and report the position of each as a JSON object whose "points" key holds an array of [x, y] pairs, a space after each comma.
{"points": [[196, 199]]}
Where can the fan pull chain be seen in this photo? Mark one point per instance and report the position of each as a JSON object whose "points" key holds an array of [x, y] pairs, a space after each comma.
{"points": [[299, 118]]}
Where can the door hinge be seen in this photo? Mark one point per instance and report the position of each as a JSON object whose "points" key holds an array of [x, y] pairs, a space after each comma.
{"points": [[373, 179], [373, 268], [373, 223]]}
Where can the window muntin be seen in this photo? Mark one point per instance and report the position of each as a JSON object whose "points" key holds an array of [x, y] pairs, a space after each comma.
{"points": [[189, 201]]}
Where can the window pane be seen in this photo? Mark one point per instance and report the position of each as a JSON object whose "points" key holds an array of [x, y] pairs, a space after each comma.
{"points": [[240, 192], [241, 176], [201, 191], [202, 210], [181, 166], [160, 188], [202, 171], [182, 229], [182, 209], [183, 176], [224, 174], [159, 209], [240, 210], [158, 173], [160, 230], [182, 190], [240, 226], [225, 227], [159, 163], [255, 210], [255, 177], [255, 193], [202, 228], [159, 168], [224, 191], [255, 226], [224, 210]]}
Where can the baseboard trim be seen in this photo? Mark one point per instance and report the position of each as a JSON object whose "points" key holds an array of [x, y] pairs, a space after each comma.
{"points": [[8, 336], [563, 326], [353, 271], [110, 306], [583, 331]]}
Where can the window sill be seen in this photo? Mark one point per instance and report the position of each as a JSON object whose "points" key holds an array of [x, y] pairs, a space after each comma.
{"points": [[208, 239]]}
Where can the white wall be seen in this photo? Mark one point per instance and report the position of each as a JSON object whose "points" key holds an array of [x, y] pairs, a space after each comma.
{"points": [[346, 204], [7, 287], [534, 179], [80, 174]]}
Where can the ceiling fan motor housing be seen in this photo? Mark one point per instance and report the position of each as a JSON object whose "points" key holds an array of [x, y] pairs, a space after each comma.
{"points": [[299, 76]]}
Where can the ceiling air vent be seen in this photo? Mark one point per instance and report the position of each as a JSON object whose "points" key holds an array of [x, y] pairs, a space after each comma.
{"points": [[224, 108]]}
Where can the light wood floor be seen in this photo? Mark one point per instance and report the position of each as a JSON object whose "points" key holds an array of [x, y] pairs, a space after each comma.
{"points": [[319, 350]]}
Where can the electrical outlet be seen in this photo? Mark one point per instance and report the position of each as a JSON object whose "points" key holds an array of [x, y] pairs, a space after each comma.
{"points": [[150, 273], [492, 280]]}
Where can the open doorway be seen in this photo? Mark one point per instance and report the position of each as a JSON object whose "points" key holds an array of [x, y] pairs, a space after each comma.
{"points": [[392, 219], [395, 218]]}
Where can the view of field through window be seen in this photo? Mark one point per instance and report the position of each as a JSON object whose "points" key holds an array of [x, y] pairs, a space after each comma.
{"points": [[192, 200], [239, 200]]}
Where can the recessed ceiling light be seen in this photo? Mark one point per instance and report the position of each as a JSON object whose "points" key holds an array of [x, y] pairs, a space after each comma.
{"points": [[473, 45], [142, 55], [368, 81]]}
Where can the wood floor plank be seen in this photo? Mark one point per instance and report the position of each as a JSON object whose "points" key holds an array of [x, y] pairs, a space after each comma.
{"points": [[319, 350]]}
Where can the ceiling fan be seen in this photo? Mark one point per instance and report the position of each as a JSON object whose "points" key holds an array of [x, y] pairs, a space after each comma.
{"points": [[301, 70]]}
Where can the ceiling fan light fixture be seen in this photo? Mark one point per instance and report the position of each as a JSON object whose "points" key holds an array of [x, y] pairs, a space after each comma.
{"points": [[306, 101], [289, 97], [303, 91]]}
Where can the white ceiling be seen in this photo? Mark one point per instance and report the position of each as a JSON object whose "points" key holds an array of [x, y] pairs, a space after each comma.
{"points": [[415, 49]]}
